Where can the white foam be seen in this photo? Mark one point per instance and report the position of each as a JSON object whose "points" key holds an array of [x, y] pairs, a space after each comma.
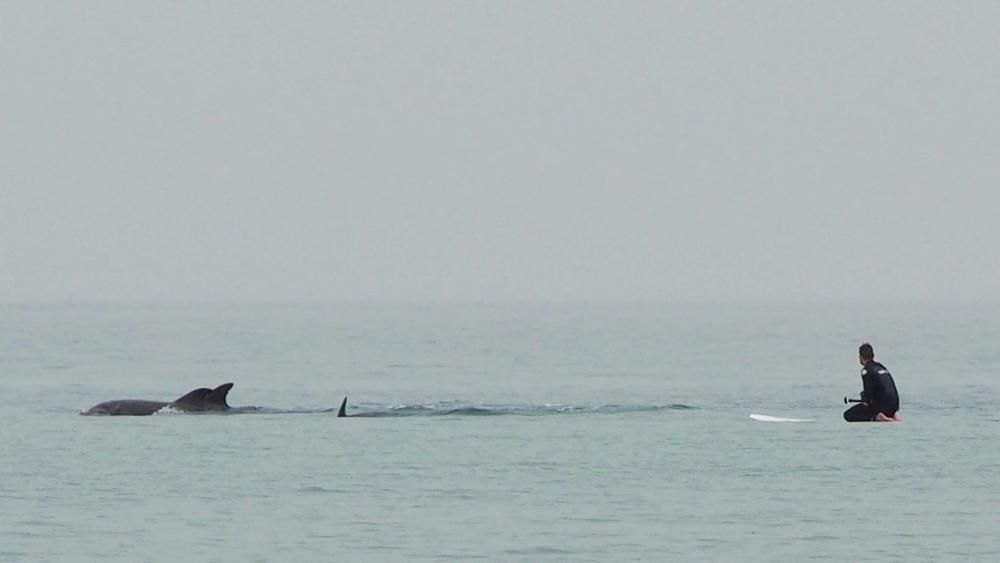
{"points": [[769, 418]]}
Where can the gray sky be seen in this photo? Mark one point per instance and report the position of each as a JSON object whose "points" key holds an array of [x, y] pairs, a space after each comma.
{"points": [[419, 151]]}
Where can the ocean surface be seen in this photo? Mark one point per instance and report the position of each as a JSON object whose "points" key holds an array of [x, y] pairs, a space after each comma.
{"points": [[498, 433]]}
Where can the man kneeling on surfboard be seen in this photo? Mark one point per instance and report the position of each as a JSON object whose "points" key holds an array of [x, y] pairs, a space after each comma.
{"points": [[880, 400]]}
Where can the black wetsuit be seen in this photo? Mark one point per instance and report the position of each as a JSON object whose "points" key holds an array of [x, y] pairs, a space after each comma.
{"points": [[879, 396]]}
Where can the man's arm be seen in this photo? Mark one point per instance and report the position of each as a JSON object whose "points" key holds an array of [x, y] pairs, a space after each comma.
{"points": [[868, 380]]}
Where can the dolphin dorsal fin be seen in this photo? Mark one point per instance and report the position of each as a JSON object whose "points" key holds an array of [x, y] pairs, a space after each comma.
{"points": [[343, 409], [194, 396], [217, 396]]}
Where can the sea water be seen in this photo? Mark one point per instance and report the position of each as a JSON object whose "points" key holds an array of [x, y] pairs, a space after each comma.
{"points": [[498, 432]]}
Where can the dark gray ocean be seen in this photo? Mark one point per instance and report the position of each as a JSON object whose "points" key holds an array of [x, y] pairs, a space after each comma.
{"points": [[498, 433]]}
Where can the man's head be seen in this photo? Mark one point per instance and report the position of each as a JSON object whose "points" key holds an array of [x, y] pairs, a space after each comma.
{"points": [[866, 353]]}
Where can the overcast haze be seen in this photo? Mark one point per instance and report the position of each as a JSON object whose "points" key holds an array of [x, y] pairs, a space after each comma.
{"points": [[676, 151]]}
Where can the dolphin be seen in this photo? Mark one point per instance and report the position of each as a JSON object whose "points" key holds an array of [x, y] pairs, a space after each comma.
{"points": [[198, 400], [342, 412]]}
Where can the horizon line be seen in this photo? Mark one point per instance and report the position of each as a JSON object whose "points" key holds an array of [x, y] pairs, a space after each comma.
{"points": [[299, 302]]}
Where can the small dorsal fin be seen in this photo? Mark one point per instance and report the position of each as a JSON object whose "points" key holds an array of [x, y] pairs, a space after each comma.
{"points": [[217, 396], [343, 409], [194, 396]]}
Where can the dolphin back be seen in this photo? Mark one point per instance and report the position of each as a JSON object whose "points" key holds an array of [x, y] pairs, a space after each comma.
{"points": [[204, 399], [125, 407], [200, 399], [193, 397], [216, 399]]}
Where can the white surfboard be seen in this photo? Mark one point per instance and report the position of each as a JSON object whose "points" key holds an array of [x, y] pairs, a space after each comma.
{"points": [[769, 418]]}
